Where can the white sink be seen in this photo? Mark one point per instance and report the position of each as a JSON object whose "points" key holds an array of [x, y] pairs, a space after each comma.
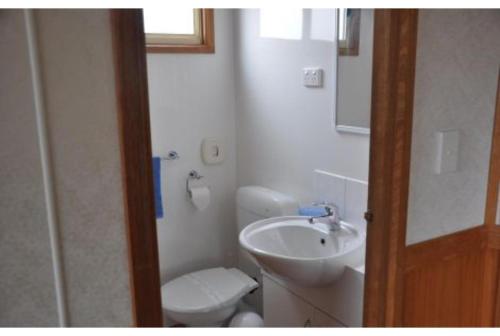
{"points": [[305, 254]]}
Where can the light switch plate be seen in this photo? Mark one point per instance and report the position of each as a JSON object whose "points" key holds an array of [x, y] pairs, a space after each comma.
{"points": [[212, 151], [312, 77], [447, 151]]}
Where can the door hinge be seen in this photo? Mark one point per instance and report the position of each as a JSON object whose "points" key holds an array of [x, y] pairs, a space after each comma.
{"points": [[369, 216]]}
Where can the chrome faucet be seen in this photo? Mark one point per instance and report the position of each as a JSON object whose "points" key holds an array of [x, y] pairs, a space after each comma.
{"points": [[332, 213]]}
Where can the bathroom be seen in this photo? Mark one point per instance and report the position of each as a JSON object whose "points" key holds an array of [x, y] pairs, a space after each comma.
{"points": [[295, 185], [248, 102]]}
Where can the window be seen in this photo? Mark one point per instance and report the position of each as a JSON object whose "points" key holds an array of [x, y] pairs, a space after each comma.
{"points": [[348, 31], [282, 23], [179, 30]]}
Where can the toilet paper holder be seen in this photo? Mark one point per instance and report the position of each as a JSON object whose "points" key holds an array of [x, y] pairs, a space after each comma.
{"points": [[193, 175]]}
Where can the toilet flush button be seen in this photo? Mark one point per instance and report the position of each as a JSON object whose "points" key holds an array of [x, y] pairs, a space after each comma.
{"points": [[212, 151]]}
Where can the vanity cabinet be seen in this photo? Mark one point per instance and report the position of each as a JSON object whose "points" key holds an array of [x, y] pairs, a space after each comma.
{"points": [[283, 308]]}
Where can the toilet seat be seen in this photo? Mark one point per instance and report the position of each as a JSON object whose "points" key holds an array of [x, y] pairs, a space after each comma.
{"points": [[206, 290]]}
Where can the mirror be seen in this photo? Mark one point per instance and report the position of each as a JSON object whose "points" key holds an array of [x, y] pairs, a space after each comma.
{"points": [[354, 70]]}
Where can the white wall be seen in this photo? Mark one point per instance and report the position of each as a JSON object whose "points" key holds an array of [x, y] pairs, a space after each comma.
{"points": [[78, 85], [284, 130], [191, 97], [82, 116], [455, 86], [26, 299]]}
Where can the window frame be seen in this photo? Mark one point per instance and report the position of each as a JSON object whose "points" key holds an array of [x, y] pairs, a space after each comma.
{"points": [[204, 41]]}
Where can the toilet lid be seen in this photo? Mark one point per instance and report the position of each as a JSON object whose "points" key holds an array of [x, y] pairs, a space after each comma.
{"points": [[206, 290]]}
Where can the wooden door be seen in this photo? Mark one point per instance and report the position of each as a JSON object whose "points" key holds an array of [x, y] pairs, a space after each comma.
{"points": [[451, 279], [135, 143]]}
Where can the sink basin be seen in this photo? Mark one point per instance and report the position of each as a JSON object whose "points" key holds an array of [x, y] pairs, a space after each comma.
{"points": [[305, 254]]}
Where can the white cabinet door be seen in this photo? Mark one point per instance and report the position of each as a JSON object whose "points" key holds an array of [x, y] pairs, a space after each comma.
{"points": [[284, 309]]}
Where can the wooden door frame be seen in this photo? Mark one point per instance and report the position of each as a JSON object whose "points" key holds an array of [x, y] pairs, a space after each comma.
{"points": [[394, 54], [129, 48]]}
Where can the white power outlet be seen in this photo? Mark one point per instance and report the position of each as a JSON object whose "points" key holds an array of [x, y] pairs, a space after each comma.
{"points": [[312, 77]]}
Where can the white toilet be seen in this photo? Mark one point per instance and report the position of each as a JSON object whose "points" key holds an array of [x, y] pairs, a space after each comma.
{"points": [[207, 298]]}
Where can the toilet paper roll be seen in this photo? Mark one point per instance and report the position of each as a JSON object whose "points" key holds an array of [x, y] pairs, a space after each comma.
{"points": [[200, 196]]}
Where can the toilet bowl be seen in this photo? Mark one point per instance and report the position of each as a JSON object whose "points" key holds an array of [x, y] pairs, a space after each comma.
{"points": [[205, 298]]}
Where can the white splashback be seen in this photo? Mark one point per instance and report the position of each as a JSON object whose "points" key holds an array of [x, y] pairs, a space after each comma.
{"points": [[349, 195], [329, 188], [356, 202]]}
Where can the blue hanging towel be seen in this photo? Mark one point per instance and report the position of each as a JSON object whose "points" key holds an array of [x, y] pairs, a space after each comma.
{"points": [[157, 186]]}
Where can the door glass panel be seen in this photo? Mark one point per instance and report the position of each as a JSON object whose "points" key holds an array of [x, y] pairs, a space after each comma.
{"points": [[454, 106]]}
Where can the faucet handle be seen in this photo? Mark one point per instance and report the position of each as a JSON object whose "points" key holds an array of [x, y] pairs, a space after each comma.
{"points": [[333, 210]]}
